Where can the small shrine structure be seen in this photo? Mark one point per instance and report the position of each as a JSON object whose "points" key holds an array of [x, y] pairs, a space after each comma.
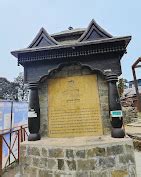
{"points": [[74, 106]]}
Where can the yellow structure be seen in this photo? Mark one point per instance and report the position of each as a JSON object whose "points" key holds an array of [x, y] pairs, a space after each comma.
{"points": [[73, 107]]}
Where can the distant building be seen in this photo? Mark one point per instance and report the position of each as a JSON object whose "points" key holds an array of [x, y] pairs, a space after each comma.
{"points": [[131, 83], [129, 95]]}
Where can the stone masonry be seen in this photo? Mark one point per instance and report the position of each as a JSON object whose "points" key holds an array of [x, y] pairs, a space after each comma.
{"points": [[78, 157], [74, 70]]}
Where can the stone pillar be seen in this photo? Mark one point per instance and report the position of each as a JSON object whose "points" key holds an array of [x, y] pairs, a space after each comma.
{"points": [[34, 113], [115, 107]]}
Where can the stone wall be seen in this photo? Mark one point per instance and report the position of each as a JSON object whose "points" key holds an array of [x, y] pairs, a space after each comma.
{"points": [[104, 105], [74, 70], [43, 100], [103, 158]]}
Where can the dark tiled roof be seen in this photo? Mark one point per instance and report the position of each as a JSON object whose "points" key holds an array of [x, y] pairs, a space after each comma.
{"points": [[68, 36], [71, 32], [92, 35]]}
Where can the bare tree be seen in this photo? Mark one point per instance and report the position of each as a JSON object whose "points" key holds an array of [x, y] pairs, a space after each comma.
{"points": [[121, 86], [8, 90], [22, 88], [16, 90]]}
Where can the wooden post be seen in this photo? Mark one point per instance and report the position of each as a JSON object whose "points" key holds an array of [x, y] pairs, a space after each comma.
{"points": [[115, 107], [21, 133], [34, 109], [19, 145], [0, 155], [137, 90]]}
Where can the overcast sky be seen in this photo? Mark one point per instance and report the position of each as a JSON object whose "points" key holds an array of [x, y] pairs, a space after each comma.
{"points": [[21, 20]]}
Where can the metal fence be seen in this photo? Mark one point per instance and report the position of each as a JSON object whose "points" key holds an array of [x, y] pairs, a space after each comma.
{"points": [[15, 135]]}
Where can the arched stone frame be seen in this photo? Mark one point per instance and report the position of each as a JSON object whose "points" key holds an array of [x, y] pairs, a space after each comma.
{"points": [[86, 69], [106, 86]]}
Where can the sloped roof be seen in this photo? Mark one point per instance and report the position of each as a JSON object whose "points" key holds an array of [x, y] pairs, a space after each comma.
{"points": [[76, 44], [94, 32], [92, 35], [68, 36], [42, 39], [69, 31]]}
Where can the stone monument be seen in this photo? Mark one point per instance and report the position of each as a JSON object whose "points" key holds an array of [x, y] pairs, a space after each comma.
{"points": [[75, 117]]}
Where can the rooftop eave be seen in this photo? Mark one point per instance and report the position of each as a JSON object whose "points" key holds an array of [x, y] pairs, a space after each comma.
{"points": [[76, 44]]}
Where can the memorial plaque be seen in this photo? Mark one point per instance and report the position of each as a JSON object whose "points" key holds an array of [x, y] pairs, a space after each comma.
{"points": [[73, 107]]}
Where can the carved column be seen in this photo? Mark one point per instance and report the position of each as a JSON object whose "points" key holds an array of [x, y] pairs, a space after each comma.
{"points": [[34, 113], [115, 107]]}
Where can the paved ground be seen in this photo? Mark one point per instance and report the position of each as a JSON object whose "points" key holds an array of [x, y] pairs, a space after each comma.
{"points": [[138, 163], [12, 172], [133, 128]]}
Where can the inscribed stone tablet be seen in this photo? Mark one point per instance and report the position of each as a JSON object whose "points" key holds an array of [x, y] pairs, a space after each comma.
{"points": [[73, 107]]}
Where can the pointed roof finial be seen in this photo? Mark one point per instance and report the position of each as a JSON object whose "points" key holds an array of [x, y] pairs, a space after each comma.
{"points": [[70, 28]]}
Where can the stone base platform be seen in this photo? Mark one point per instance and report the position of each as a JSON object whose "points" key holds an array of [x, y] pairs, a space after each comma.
{"points": [[78, 157]]}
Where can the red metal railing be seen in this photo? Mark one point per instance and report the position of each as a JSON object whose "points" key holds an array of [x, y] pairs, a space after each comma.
{"points": [[20, 135]]}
